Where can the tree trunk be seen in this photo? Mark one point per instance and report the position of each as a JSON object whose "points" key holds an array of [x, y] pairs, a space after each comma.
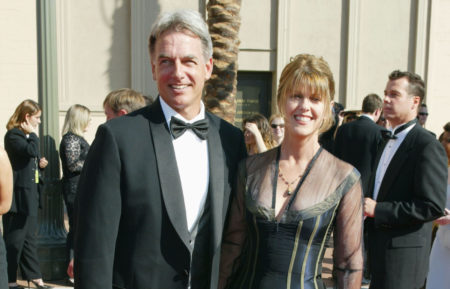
{"points": [[220, 91]]}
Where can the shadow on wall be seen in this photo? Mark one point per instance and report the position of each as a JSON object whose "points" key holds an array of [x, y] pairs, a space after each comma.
{"points": [[119, 68]]}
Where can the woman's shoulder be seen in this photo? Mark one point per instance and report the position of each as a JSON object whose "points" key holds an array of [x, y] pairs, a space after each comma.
{"points": [[337, 166]]}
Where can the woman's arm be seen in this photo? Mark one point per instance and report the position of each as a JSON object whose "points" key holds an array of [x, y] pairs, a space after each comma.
{"points": [[235, 232], [348, 239], [260, 145], [72, 153], [6, 182]]}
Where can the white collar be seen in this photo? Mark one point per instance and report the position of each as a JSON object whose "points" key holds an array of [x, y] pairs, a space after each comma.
{"points": [[169, 112]]}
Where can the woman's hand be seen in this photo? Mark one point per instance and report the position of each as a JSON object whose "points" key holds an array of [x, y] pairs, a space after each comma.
{"points": [[43, 163], [27, 127]]}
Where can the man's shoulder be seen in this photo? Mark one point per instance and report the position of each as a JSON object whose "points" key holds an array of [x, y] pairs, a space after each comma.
{"points": [[223, 126]]}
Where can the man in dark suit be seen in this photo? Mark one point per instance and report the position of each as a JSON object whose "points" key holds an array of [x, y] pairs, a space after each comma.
{"points": [[357, 143], [408, 191], [155, 188]]}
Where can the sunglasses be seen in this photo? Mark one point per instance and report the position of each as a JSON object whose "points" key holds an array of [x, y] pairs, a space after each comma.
{"points": [[423, 113], [274, 125]]}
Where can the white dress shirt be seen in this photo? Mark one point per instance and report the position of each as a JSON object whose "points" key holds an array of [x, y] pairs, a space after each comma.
{"points": [[388, 153], [191, 154]]}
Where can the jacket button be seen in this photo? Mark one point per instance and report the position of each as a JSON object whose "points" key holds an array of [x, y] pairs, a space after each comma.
{"points": [[186, 272]]}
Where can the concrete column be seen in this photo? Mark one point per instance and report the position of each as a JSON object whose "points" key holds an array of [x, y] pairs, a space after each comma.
{"points": [[51, 233]]}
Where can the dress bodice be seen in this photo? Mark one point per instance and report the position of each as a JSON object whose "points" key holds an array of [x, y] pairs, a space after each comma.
{"points": [[288, 253]]}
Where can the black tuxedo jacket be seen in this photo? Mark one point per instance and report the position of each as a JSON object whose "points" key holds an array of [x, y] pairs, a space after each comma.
{"points": [[131, 228], [23, 153], [412, 194], [357, 143]]}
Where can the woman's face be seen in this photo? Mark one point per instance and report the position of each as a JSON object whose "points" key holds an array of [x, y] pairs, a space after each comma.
{"points": [[304, 113], [34, 119], [446, 143], [278, 127]]}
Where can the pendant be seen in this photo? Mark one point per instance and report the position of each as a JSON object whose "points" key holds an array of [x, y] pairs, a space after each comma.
{"points": [[289, 192]]}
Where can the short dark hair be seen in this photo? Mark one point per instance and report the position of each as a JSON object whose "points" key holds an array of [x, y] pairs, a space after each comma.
{"points": [[416, 84], [371, 103]]}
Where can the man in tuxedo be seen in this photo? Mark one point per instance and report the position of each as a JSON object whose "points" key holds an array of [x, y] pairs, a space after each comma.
{"points": [[408, 190], [357, 143], [155, 187]]}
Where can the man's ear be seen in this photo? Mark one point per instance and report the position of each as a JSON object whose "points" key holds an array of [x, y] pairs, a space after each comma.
{"points": [[122, 112], [209, 68]]}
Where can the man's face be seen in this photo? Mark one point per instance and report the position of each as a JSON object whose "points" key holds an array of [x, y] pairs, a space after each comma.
{"points": [[399, 107], [110, 114], [180, 70], [423, 115]]}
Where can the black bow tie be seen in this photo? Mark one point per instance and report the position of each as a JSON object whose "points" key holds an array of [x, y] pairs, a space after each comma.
{"points": [[178, 127], [389, 135]]}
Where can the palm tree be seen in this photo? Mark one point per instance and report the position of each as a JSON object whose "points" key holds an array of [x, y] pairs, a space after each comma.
{"points": [[220, 91]]}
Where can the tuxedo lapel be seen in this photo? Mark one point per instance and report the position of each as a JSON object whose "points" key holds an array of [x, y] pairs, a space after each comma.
{"points": [[168, 172], [401, 155], [217, 175]]}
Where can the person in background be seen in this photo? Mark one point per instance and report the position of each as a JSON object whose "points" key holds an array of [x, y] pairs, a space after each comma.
{"points": [[73, 151], [277, 124], [257, 133], [438, 275], [382, 121], [122, 101], [20, 223], [6, 191], [326, 139], [289, 199], [422, 115], [408, 190]]}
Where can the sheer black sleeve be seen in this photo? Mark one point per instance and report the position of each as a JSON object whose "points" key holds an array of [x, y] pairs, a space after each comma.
{"points": [[235, 231], [74, 152], [348, 242]]}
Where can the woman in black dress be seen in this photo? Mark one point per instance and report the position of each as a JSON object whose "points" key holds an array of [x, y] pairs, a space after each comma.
{"points": [[20, 223], [289, 199], [73, 151]]}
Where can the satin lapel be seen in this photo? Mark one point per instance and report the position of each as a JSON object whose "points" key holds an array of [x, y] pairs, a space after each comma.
{"points": [[217, 175], [168, 173], [396, 163]]}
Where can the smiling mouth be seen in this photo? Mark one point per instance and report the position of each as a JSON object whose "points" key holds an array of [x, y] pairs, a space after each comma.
{"points": [[178, 86], [302, 118]]}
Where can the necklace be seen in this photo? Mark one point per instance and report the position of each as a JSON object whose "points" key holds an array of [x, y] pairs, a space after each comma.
{"points": [[288, 184]]}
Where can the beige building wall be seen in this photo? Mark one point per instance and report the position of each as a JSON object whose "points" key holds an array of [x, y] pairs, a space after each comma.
{"points": [[102, 46], [18, 57]]}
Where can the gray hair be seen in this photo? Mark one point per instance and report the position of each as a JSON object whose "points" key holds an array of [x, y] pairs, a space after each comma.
{"points": [[180, 20]]}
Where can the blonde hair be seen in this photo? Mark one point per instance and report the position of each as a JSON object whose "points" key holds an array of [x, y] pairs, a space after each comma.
{"points": [[77, 119], [275, 116], [307, 71], [27, 106], [124, 98]]}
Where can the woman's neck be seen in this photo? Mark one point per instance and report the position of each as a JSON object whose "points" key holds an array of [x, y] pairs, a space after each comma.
{"points": [[299, 149]]}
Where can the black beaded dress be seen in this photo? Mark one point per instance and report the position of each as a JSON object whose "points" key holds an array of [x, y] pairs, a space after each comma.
{"points": [[264, 251]]}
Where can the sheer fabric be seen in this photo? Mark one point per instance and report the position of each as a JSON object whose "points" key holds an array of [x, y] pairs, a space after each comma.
{"points": [[262, 251], [73, 152]]}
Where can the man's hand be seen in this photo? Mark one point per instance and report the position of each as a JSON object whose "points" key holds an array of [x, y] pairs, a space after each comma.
{"points": [[445, 220], [369, 207], [70, 269]]}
